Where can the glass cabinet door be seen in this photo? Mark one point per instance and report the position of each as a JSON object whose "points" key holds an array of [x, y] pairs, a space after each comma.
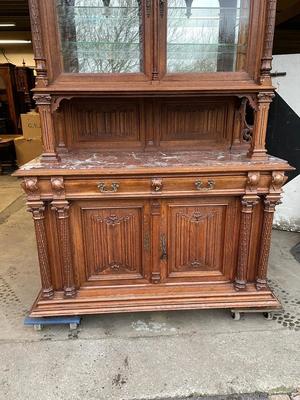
{"points": [[102, 36], [205, 36]]}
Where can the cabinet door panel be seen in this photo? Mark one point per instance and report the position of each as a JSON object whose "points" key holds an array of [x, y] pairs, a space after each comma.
{"points": [[201, 237], [105, 38], [113, 242], [199, 38]]}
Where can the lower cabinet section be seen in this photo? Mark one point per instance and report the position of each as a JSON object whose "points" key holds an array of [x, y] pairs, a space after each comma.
{"points": [[118, 255], [155, 241]]}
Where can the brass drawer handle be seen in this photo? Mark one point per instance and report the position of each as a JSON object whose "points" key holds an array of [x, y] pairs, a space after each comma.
{"points": [[112, 189], [200, 185]]}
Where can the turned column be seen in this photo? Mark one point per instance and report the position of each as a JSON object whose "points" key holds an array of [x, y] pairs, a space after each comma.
{"points": [[258, 150], [62, 216], [270, 203], [43, 102], [248, 201], [248, 204], [266, 61], [37, 208]]}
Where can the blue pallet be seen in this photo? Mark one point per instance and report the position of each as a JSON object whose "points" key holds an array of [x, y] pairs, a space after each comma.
{"points": [[52, 320]]}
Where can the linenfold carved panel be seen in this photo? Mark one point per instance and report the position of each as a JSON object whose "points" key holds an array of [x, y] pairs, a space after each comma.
{"points": [[197, 236], [195, 120], [93, 120], [113, 241]]}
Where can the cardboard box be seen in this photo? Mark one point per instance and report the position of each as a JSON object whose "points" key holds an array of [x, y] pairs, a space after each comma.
{"points": [[27, 149], [31, 125]]}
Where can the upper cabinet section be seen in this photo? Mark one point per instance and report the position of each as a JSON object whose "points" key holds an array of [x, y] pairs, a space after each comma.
{"points": [[148, 45]]}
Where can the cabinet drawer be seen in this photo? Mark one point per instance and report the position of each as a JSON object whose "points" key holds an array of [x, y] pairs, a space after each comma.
{"points": [[155, 186]]}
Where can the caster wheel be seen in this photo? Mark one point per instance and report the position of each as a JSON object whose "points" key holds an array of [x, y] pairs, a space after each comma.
{"points": [[236, 315], [268, 315], [38, 327], [73, 327]]}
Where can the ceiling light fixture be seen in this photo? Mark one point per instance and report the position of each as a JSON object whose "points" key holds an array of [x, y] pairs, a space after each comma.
{"points": [[15, 41], [7, 25]]}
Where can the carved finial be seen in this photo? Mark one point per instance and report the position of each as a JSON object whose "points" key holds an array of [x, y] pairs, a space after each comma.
{"points": [[266, 61]]}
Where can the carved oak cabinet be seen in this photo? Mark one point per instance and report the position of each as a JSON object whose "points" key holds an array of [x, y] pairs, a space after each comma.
{"points": [[154, 190]]}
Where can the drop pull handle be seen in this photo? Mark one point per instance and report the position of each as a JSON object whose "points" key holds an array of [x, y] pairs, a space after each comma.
{"points": [[163, 247], [199, 185], [114, 187]]}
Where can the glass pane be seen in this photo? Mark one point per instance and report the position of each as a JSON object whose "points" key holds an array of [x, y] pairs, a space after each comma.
{"points": [[101, 36], [207, 35]]}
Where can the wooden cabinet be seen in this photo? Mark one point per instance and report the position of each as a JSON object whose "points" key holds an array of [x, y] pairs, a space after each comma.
{"points": [[154, 190]]}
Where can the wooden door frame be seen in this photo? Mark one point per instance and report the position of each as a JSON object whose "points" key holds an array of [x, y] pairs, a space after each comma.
{"points": [[51, 43]]}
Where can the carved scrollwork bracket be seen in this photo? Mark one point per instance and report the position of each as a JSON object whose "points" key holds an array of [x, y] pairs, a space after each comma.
{"points": [[56, 102], [247, 126]]}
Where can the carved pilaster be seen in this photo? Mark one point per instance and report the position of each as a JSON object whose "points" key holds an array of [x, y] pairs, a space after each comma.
{"points": [[62, 211], [248, 203], [43, 101], [37, 209], [258, 150], [270, 203], [266, 61], [38, 48]]}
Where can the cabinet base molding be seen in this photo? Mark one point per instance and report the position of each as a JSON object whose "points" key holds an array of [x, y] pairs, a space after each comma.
{"points": [[159, 298]]}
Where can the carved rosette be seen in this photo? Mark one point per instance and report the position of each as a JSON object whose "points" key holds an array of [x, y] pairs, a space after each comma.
{"points": [[269, 209], [37, 209], [62, 211], [248, 203], [40, 60], [266, 61]]}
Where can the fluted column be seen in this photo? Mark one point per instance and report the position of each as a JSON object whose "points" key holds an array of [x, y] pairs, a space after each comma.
{"points": [[37, 208], [62, 214], [269, 209], [248, 203]]}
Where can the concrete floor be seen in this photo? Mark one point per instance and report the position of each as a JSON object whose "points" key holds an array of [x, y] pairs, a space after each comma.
{"points": [[144, 355]]}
